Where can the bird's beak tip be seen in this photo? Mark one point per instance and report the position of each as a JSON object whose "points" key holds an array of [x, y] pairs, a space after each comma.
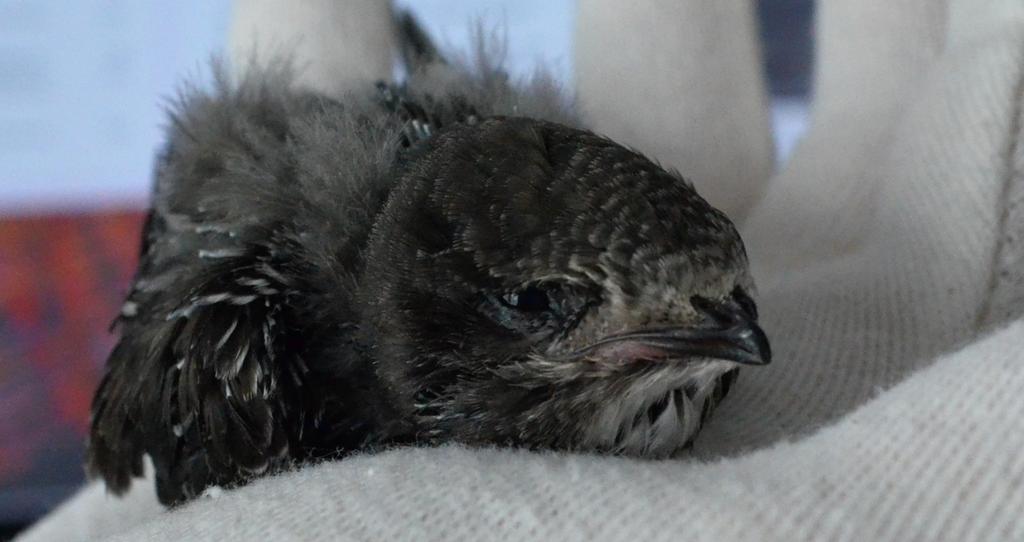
{"points": [[728, 334]]}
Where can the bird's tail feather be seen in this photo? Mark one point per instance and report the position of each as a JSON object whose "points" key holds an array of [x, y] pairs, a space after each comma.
{"points": [[415, 45]]}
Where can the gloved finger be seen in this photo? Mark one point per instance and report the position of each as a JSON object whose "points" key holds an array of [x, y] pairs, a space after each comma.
{"points": [[871, 58], [681, 81], [334, 46]]}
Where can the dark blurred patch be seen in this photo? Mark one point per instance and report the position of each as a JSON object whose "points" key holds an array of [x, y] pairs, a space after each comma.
{"points": [[787, 37], [9, 531], [61, 283]]}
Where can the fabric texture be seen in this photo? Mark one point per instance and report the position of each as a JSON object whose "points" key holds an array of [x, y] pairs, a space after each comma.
{"points": [[889, 256]]}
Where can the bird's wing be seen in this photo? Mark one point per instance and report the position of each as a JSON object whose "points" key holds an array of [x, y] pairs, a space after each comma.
{"points": [[207, 377], [448, 87], [199, 379]]}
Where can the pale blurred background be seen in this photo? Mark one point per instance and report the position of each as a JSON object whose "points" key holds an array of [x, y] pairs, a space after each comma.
{"points": [[84, 82], [83, 85]]}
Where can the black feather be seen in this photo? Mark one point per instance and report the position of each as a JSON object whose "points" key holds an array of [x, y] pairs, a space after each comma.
{"points": [[417, 48]]}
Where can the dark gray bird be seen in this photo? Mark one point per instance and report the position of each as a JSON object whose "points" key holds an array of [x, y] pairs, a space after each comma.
{"points": [[449, 260]]}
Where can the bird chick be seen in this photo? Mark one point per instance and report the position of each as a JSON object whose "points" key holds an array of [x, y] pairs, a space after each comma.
{"points": [[537, 285], [425, 264]]}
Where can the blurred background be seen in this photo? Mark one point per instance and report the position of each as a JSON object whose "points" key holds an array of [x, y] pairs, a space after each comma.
{"points": [[83, 85]]}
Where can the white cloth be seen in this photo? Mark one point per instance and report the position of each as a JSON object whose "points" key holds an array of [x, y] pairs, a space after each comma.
{"points": [[638, 67], [935, 458], [890, 257]]}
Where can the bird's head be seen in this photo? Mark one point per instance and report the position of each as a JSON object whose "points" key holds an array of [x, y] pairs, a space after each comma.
{"points": [[537, 285]]}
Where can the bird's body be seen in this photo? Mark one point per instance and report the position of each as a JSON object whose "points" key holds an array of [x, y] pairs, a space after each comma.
{"points": [[451, 261]]}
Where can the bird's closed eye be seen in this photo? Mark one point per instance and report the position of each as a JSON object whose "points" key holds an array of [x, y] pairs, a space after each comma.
{"points": [[529, 299], [537, 310]]}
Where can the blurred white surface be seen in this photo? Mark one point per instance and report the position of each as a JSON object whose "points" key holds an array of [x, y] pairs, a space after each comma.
{"points": [[82, 92], [84, 85], [789, 122]]}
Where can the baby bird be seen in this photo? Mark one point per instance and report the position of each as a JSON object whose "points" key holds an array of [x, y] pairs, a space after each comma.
{"points": [[454, 260]]}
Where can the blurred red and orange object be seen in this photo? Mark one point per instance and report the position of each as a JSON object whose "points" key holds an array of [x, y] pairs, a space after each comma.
{"points": [[62, 279]]}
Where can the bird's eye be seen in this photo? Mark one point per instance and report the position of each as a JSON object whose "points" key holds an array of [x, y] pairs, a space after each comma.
{"points": [[537, 311], [529, 299]]}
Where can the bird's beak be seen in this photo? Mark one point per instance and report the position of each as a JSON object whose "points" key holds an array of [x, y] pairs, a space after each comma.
{"points": [[725, 331]]}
